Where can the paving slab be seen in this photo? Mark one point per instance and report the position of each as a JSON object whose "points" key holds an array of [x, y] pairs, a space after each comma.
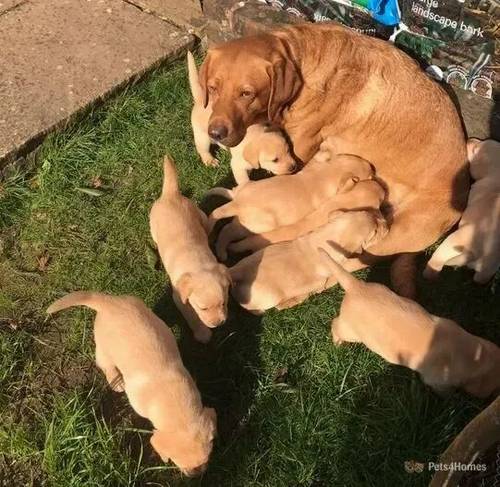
{"points": [[60, 57], [185, 13]]}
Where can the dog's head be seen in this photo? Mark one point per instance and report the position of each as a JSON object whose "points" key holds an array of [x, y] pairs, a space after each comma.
{"points": [[247, 81], [189, 447], [207, 293], [357, 229], [271, 152], [484, 157]]}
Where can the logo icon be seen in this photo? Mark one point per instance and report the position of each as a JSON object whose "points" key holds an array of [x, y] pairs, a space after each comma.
{"points": [[411, 466]]}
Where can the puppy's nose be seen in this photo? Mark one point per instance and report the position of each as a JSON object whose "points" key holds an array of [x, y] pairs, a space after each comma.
{"points": [[218, 132]]}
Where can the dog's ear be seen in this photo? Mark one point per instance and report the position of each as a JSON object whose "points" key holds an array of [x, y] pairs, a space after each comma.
{"points": [[251, 154], [184, 287], [160, 443], [473, 146], [225, 272], [347, 182], [380, 230], [285, 82], [203, 77]]}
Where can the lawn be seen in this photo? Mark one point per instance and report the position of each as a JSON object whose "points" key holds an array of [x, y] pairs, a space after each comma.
{"points": [[293, 410]]}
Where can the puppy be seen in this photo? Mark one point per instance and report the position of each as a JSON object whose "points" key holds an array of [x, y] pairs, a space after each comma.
{"points": [[200, 284], [281, 275], [138, 354], [404, 333], [367, 194], [262, 206], [263, 145], [476, 243]]}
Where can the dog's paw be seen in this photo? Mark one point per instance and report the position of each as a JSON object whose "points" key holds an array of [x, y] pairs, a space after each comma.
{"points": [[337, 341], [210, 161]]}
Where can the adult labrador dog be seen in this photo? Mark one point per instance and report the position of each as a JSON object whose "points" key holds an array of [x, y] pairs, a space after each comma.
{"points": [[321, 80]]}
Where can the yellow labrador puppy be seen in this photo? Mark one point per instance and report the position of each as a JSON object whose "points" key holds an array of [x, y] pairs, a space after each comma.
{"points": [[258, 206], [404, 333], [476, 243], [364, 195], [200, 284], [283, 274], [263, 146], [138, 354]]}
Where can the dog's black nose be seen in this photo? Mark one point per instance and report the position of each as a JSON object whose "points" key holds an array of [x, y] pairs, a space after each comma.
{"points": [[218, 132]]}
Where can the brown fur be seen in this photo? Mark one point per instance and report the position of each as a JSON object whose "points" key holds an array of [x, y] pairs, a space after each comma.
{"points": [[404, 333], [263, 146], [321, 80], [138, 354]]}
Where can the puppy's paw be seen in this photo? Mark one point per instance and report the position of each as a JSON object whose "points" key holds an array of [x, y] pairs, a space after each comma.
{"points": [[202, 335], [210, 161], [337, 341]]}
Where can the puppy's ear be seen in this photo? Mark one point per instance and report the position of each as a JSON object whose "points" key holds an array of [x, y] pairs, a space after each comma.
{"points": [[203, 76], [225, 272], [285, 83], [379, 232], [184, 287], [347, 182], [251, 154], [159, 442], [473, 146]]}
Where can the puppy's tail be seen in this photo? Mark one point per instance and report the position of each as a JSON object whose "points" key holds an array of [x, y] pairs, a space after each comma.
{"points": [[170, 181], [194, 80], [79, 298], [344, 278], [219, 191]]}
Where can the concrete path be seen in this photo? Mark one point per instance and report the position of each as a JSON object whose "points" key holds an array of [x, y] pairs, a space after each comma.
{"points": [[58, 57]]}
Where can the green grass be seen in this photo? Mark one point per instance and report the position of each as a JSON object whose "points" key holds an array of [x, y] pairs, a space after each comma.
{"points": [[336, 417]]}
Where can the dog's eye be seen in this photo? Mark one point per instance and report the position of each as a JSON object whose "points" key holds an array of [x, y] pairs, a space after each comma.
{"points": [[247, 94], [275, 159]]}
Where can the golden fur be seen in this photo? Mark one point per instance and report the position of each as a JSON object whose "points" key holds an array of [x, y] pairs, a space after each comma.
{"points": [[324, 80], [138, 354], [262, 206], [283, 274], [476, 242], [263, 146], [199, 283], [404, 333]]}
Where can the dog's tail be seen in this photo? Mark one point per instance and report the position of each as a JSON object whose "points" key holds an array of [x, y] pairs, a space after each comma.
{"points": [[90, 299], [194, 80], [170, 181], [219, 191], [346, 280]]}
